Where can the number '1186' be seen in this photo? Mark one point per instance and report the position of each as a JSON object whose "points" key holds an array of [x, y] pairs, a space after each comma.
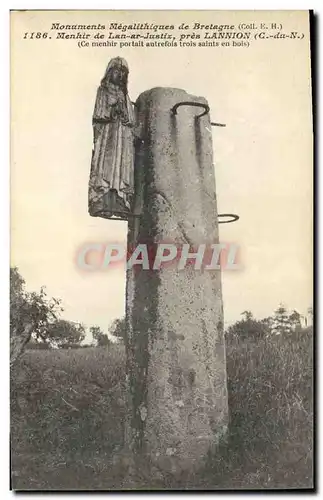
{"points": [[36, 35]]}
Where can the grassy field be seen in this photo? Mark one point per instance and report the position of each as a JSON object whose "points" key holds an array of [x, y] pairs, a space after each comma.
{"points": [[67, 409]]}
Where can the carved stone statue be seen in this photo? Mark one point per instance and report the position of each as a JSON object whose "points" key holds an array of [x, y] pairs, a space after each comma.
{"points": [[111, 185]]}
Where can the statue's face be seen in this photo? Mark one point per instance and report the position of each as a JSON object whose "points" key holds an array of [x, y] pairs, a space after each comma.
{"points": [[118, 75]]}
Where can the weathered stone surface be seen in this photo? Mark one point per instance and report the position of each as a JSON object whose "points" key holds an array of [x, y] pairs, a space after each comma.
{"points": [[176, 367]]}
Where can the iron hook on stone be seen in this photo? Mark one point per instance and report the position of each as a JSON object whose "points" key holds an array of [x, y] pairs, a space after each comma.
{"points": [[232, 218], [206, 108]]}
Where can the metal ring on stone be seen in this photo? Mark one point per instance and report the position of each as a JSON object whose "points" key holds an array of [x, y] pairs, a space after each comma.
{"points": [[234, 218], [196, 104]]}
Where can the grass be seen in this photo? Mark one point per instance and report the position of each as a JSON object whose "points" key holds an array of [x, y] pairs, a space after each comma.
{"points": [[67, 409]]}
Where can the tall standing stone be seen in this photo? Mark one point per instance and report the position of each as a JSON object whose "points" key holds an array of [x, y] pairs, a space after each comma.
{"points": [[176, 369]]}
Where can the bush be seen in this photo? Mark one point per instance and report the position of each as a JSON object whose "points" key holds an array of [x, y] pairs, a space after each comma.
{"points": [[247, 330]]}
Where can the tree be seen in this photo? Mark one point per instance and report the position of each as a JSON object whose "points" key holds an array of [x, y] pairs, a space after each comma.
{"points": [[247, 315], [295, 319], [268, 322], [30, 313], [101, 338], [63, 333], [118, 329], [281, 321]]}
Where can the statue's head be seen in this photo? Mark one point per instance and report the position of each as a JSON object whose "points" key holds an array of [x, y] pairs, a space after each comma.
{"points": [[117, 72]]}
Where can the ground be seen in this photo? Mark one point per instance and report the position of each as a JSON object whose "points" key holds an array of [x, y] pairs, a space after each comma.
{"points": [[67, 409]]}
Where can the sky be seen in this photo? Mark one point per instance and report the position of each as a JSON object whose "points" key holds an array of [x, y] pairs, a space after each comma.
{"points": [[263, 157]]}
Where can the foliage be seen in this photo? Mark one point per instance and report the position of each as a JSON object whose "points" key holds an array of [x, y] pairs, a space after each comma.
{"points": [[295, 320], [118, 329], [248, 329], [247, 315], [281, 321], [63, 333], [30, 313], [101, 338]]}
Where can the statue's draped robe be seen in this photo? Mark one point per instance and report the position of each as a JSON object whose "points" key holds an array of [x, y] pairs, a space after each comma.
{"points": [[111, 185]]}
